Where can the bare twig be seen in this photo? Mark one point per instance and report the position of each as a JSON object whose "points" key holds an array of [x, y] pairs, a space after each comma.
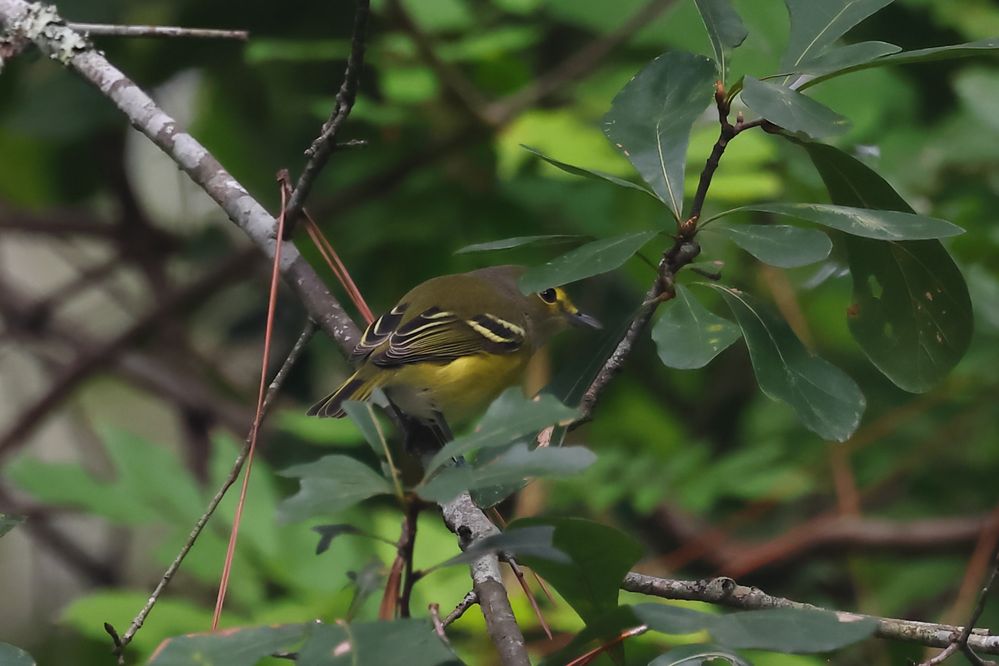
{"points": [[435, 617], [470, 600], [106, 30], [942, 656], [406, 552], [963, 640]]}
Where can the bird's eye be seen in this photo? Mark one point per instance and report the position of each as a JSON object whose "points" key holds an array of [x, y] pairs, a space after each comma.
{"points": [[548, 295]]}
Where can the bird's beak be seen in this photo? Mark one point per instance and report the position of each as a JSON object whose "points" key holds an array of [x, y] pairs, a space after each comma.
{"points": [[581, 319]]}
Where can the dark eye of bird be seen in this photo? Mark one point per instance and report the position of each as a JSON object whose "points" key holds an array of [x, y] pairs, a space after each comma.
{"points": [[548, 295]]}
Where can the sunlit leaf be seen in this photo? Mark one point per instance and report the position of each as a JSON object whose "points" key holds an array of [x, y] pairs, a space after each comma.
{"points": [[688, 335], [594, 258], [9, 522], [791, 110], [329, 485], [776, 244], [232, 647], [408, 642], [824, 398], [11, 655], [535, 541], [725, 29], [816, 25], [589, 173], [650, 120], [518, 241]]}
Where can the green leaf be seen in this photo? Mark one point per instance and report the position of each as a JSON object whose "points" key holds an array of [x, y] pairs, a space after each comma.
{"points": [[518, 241], [594, 258], [725, 29], [410, 642], [698, 654], [363, 416], [776, 244], [824, 398], [791, 110], [816, 25], [688, 335], [232, 647], [330, 485], [511, 467], [842, 57], [535, 541], [795, 630], [11, 655], [913, 315], [9, 522], [321, 432], [866, 222], [589, 173], [510, 417], [600, 557], [329, 532], [651, 117]]}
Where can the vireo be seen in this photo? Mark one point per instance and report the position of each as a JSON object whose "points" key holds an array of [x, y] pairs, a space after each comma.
{"points": [[453, 343]]}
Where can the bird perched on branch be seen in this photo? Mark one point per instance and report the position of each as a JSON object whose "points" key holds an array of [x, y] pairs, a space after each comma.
{"points": [[452, 344]]}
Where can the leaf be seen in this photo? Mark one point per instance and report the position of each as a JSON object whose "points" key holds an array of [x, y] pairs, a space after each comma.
{"points": [[517, 241], [866, 222], [330, 485], [9, 522], [824, 398], [725, 29], [329, 532], [535, 541], [698, 654], [594, 258], [510, 417], [409, 642], [816, 25], [791, 110], [600, 557], [913, 316], [511, 467], [842, 57], [589, 173], [229, 647], [11, 655], [321, 432], [362, 414], [651, 117], [688, 335], [776, 244]]}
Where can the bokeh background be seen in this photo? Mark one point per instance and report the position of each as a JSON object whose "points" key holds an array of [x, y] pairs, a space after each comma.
{"points": [[98, 231]]}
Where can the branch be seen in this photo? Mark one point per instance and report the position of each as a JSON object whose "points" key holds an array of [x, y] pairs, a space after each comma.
{"points": [[964, 640], [726, 592], [106, 30]]}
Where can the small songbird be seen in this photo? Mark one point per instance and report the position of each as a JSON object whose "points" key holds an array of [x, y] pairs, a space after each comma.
{"points": [[453, 343]]}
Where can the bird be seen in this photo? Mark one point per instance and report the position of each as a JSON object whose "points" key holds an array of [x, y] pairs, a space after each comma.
{"points": [[452, 344]]}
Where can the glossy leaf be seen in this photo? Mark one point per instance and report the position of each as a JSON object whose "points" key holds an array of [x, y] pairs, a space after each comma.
{"points": [[725, 30], [233, 647], [600, 557], [594, 258], [688, 335], [776, 244], [11, 655], [865, 222], [535, 541], [816, 25], [699, 654], [589, 173], [408, 642], [843, 57], [518, 241], [791, 110], [9, 522], [330, 485], [824, 398], [912, 314], [651, 117], [510, 467]]}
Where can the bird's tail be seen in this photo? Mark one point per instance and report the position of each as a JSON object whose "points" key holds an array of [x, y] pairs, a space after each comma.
{"points": [[358, 386]]}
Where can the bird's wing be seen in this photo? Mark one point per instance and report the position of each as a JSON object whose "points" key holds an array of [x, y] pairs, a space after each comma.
{"points": [[436, 336]]}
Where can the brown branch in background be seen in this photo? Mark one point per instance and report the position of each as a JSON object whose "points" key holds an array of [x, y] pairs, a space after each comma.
{"points": [[272, 391], [106, 30], [406, 548], [726, 592]]}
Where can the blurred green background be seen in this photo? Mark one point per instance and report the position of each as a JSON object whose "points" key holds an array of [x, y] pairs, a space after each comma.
{"points": [[710, 475]]}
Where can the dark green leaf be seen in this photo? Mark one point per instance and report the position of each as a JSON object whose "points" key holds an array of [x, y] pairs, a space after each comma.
{"points": [[9, 522], [674, 620], [329, 532], [797, 630], [329, 485], [588, 173], [600, 557], [816, 25], [11, 655], [518, 241], [698, 655], [725, 29], [825, 399], [510, 417], [363, 416], [408, 642], [866, 222], [912, 316], [688, 335], [535, 541], [594, 258], [232, 647], [791, 110], [843, 57], [776, 244], [651, 117], [512, 466]]}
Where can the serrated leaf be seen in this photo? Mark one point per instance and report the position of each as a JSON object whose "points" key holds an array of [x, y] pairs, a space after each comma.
{"points": [[9, 522], [518, 241], [688, 335], [232, 647], [866, 222], [11, 655], [535, 541], [725, 30], [699, 654], [778, 245], [594, 258], [408, 642], [330, 485], [791, 110], [913, 315], [651, 117], [816, 25], [593, 174], [823, 397]]}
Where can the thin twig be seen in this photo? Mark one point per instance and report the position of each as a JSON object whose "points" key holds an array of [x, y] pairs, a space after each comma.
{"points": [[942, 656], [962, 640], [435, 617], [470, 600], [107, 30], [237, 466], [406, 551]]}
